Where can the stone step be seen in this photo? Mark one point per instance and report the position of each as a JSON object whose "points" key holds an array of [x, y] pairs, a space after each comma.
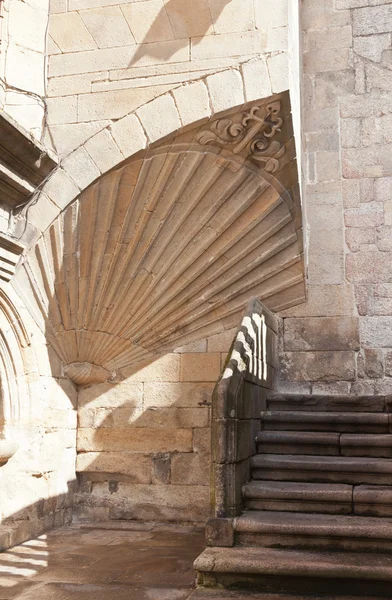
{"points": [[322, 469], [325, 421], [324, 443], [298, 442], [296, 402], [296, 572], [302, 497], [362, 444], [311, 531], [202, 593], [373, 500]]}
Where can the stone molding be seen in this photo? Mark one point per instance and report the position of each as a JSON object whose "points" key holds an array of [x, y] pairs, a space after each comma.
{"points": [[24, 164], [187, 104]]}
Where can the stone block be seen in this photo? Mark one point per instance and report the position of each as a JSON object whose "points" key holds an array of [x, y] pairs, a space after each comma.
{"points": [[25, 69], [360, 239], [179, 395], [159, 117], [190, 469], [122, 440], [148, 21], [199, 346], [388, 364], [69, 32], [331, 37], [368, 267], [374, 363], [62, 110], [129, 135], [277, 40], [108, 395], [256, 78], [73, 63], [326, 268], [117, 104], [372, 19], [376, 332], [228, 17], [27, 26], [222, 341], [318, 61], [377, 77], [107, 26], [200, 367], [202, 441], [330, 86], [137, 467], [69, 85], [220, 533], [81, 168], [321, 16], [351, 133], [366, 215], [247, 44], [104, 151], [372, 46], [161, 465], [278, 67], [271, 14], [327, 165], [318, 366], [192, 101], [162, 417], [325, 333], [225, 90]]}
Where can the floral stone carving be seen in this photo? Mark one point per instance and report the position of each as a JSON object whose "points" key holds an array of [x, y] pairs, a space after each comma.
{"points": [[251, 136]]}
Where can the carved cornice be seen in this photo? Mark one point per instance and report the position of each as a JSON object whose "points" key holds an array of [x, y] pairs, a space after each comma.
{"points": [[24, 163], [250, 136], [10, 253]]}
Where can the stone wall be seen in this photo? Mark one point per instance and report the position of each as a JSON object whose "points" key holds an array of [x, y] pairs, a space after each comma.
{"points": [[37, 430], [239, 397], [23, 62], [340, 340], [108, 58], [144, 444]]}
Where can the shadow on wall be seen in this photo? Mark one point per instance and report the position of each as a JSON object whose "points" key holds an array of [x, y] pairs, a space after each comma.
{"points": [[176, 22]]}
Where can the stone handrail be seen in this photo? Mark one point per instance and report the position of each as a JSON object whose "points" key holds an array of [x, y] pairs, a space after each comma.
{"points": [[239, 397]]}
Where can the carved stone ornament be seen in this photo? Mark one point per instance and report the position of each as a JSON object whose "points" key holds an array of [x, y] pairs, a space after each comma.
{"points": [[251, 136]]}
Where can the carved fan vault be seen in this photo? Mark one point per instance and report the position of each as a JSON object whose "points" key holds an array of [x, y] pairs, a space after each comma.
{"points": [[168, 247]]}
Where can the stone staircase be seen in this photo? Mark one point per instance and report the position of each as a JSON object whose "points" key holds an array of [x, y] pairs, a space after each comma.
{"points": [[317, 515]]}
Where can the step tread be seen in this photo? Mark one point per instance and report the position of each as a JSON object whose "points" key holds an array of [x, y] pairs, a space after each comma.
{"points": [[293, 523], [287, 490], [324, 417], [303, 437], [366, 439], [268, 561], [322, 463]]}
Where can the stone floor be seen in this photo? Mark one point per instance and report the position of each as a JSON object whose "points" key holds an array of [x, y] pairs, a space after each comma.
{"points": [[131, 561]]}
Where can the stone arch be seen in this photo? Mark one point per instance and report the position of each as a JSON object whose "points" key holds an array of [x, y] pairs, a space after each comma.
{"points": [[169, 243], [14, 340], [183, 106]]}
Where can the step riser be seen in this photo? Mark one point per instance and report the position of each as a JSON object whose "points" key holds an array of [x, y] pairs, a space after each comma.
{"points": [[298, 449], [322, 476], [310, 586], [367, 452], [313, 543], [303, 507], [360, 451], [327, 427]]}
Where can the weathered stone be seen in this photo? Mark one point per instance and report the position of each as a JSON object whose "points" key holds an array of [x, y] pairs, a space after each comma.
{"points": [[190, 469], [136, 466], [374, 363], [220, 532], [318, 366], [119, 440], [161, 464], [328, 333], [372, 19], [200, 367], [376, 332]]}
